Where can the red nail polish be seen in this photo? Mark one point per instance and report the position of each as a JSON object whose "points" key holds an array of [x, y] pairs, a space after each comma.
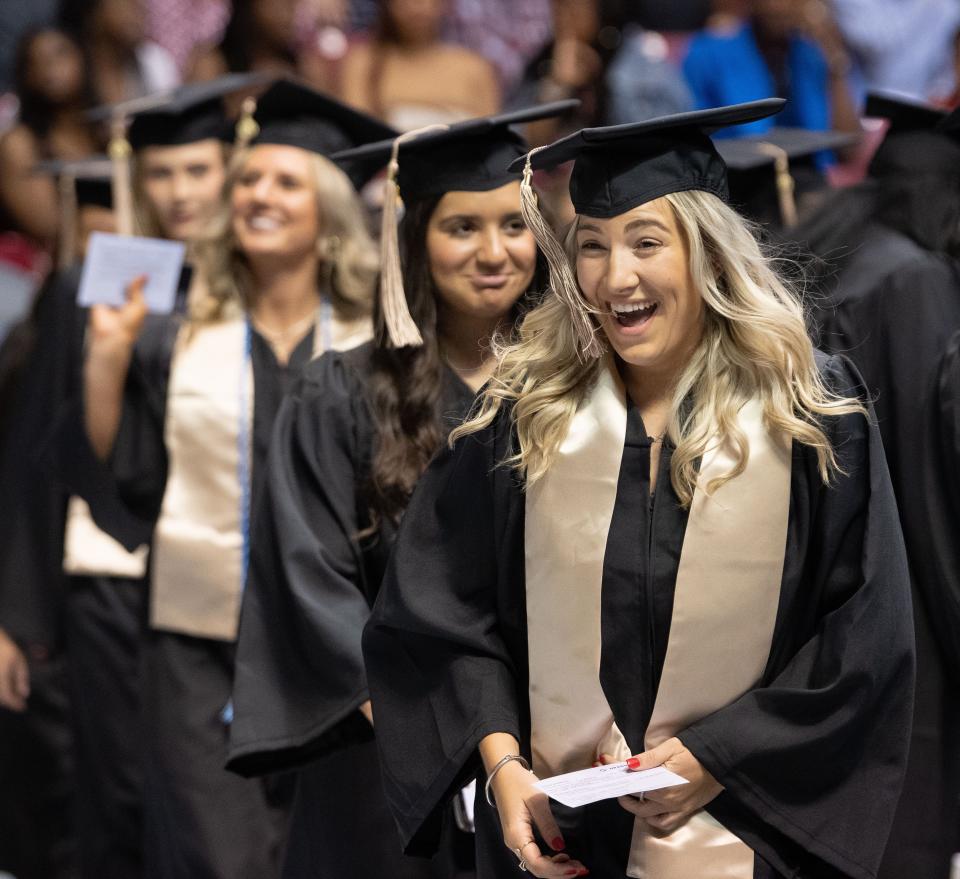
{"points": [[584, 872], [572, 873], [633, 763], [558, 845]]}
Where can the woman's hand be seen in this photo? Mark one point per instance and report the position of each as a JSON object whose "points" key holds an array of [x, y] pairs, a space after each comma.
{"points": [[522, 808], [119, 328], [14, 675], [667, 809]]}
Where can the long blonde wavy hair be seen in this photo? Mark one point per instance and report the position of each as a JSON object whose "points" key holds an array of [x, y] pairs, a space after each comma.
{"points": [[754, 345], [349, 260]]}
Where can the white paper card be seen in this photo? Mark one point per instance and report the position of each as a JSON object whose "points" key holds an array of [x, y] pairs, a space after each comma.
{"points": [[605, 782], [113, 261]]}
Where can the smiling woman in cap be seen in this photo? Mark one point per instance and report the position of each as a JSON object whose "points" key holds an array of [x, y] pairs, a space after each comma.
{"points": [[351, 441], [180, 416], [666, 536]]}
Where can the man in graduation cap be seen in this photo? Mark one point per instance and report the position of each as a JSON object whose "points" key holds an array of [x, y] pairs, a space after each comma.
{"points": [[666, 537], [889, 299]]}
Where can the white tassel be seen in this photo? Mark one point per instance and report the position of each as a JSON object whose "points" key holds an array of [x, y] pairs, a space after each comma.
{"points": [[246, 128], [121, 178], [401, 329], [786, 186], [562, 280]]}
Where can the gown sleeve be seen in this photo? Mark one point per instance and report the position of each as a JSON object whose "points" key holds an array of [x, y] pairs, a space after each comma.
{"points": [[124, 492], [948, 535], [441, 674], [299, 676], [812, 760], [32, 524]]}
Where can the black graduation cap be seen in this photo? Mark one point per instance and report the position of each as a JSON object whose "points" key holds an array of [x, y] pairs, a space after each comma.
{"points": [[187, 114], [619, 167], [758, 150], [293, 114], [766, 171], [469, 156], [90, 179], [905, 114]]}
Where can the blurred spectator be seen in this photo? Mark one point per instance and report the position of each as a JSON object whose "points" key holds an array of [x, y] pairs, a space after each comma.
{"points": [[952, 100], [123, 63], [182, 25], [53, 91], [904, 46], [641, 81], [409, 77], [16, 18], [260, 36], [508, 33], [785, 48], [505, 32]]}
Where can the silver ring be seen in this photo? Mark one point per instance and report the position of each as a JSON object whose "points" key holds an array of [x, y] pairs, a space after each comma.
{"points": [[523, 865]]}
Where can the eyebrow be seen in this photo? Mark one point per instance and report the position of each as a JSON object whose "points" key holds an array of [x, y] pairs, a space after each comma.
{"points": [[476, 217], [633, 224]]}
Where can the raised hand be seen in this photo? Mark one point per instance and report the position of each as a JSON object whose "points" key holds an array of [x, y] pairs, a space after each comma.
{"points": [[121, 326]]}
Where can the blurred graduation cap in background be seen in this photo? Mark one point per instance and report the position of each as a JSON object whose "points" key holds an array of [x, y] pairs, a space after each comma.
{"points": [[188, 114], [83, 183], [469, 156], [922, 140], [767, 173]]}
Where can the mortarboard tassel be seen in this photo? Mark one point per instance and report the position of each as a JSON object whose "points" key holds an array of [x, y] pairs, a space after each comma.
{"points": [[122, 190], [786, 186], [401, 329], [562, 281], [67, 245], [247, 128]]}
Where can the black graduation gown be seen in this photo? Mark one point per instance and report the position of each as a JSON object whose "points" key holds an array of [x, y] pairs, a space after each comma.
{"points": [[893, 312], [811, 760], [200, 819], [94, 619], [314, 574]]}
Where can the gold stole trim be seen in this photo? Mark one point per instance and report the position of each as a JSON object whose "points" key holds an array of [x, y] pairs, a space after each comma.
{"points": [[198, 544], [725, 607]]}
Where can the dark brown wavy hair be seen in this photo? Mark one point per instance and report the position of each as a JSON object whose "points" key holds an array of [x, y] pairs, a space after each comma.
{"points": [[406, 384]]}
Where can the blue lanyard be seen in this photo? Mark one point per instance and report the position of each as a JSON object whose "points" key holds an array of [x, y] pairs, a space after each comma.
{"points": [[244, 451]]}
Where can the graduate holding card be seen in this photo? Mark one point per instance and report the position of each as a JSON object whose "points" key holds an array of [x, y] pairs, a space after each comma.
{"points": [[178, 422], [668, 534]]}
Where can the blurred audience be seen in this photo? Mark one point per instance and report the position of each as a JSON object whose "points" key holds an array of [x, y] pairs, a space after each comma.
{"points": [[180, 26], [261, 36], [779, 48], [409, 77], [123, 63], [53, 91]]}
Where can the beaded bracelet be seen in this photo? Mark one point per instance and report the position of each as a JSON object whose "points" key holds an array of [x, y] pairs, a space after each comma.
{"points": [[493, 773]]}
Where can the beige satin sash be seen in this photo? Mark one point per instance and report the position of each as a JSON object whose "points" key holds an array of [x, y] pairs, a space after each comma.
{"points": [[725, 606], [197, 581], [90, 552], [568, 515]]}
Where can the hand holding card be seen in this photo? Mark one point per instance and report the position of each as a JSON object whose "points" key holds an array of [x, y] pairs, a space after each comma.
{"points": [[604, 783], [113, 261]]}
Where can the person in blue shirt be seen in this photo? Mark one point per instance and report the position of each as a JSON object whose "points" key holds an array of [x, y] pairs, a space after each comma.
{"points": [[785, 49]]}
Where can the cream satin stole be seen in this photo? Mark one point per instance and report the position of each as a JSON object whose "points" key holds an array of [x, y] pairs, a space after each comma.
{"points": [[199, 544], [725, 606]]}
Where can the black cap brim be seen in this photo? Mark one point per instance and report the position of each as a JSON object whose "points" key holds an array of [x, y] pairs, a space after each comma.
{"points": [[745, 153]]}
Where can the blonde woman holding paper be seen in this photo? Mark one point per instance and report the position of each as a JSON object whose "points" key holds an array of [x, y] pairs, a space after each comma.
{"points": [[668, 534]]}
